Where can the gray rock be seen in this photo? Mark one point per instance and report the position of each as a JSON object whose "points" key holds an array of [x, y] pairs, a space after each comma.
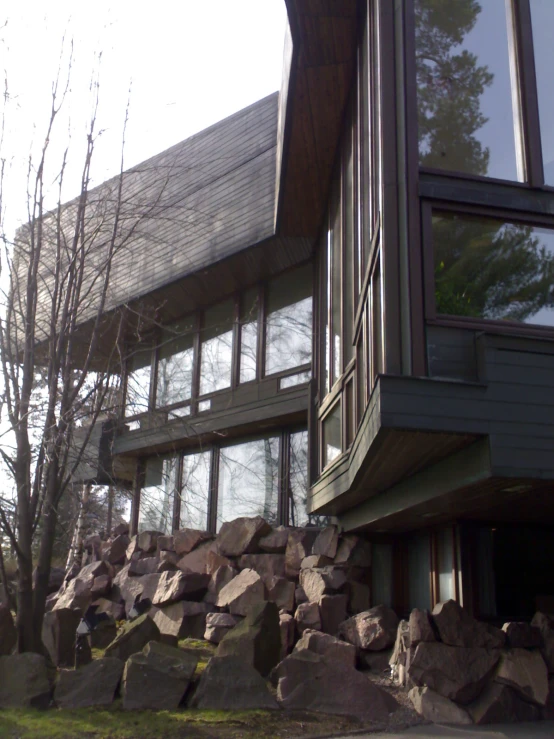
{"points": [[244, 591], [157, 678], [230, 684], [183, 619], [116, 552], [165, 544], [332, 609], [147, 540], [373, 630], [266, 565], [76, 596], [24, 681], [458, 629], [545, 624], [326, 542], [59, 630], [104, 634], [281, 592], [115, 610], [198, 560], [218, 625], [101, 586], [8, 633], [438, 709], [175, 586], [500, 704], [299, 546], [524, 671], [317, 583], [185, 540], [256, 639], [133, 637], [457, 673], [420, 627], [287, 628], [522, 634], [315, 560], [214, 561], [307, 616], [218, 580], [333, 650], [92, 685], [275, 542], [241, 536], [354, 551], [143, 566]]}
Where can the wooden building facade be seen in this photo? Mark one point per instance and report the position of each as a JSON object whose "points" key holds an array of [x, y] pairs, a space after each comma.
{"points": [[350, 311]]}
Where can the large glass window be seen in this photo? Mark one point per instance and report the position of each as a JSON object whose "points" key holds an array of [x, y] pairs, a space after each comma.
{"points": [[158, 494], [289, 321], [175, 364], [335, 277], [332, 436], [299, 487], [195, 491], [468, 117], [217, 348], [249, 480], [138, 382], [542, 16], [248, 335], [494, 269]]}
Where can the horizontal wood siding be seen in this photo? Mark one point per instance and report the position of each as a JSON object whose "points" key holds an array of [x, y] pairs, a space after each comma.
{"points": [[451, 353]]}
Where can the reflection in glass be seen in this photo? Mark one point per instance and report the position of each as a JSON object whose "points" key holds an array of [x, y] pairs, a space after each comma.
{"points": [[138, 382], [249, 335], [542, 17], [332, 437], [217, 348], [248, 481], [349, 246], [175, 364], [204, 405], [195, 491], [445, 545], [289, 321], [487, 268], [299, 487], [157, 495], [335, 261], [293, 380], [466, 111], [179, 412], [377, 319]]}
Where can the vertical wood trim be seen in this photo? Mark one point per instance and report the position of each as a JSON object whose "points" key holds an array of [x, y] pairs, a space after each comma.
{"points": [[177, 494], [525, 60], [428, 260], [235, 356], [283, 485], [213, 489], [262, 330], [139, 483], [390, 263]]}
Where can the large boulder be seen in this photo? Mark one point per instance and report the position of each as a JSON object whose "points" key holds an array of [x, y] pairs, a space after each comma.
{"points": [[130, 589], [334, 650], [545, 624], [241, 536], [524, 671], [24, 681], [256, 639], [326, 542], [281, 592], [275, 542], [8, 633], [230, 684], [266, 565], [147, 540], [218, 580], [421, 628], [113, 609], [318, 582], [59, 629], [457, 673], [521, 634], [245, 590], [92, 685], [354, 551], [438, 709], [116, 552], [165, 544], [76, 596], [218, 625], [133, 637], [199, 559], [157, 678], [373, 630], [307, 681], [183, 619], [143, 566], [458, 628], [307, 616], [501, 704], [287, 627], [175, 586], [185, 540], [299, 546]]}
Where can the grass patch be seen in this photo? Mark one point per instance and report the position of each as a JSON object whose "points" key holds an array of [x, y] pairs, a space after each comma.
{"points": [[114, 723]]}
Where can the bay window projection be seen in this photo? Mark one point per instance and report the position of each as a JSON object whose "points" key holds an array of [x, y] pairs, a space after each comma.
{"points": [[467, 87], [158, 494], [493, 269], [249, 480], [288, 337]]}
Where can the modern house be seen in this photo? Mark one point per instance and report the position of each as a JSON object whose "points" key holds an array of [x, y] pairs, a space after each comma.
{"points": [[347, 308]]}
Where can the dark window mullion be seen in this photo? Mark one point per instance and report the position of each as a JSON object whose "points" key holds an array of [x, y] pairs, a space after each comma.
{"points": [[177, 494], [284, 477], [262, 332], [235, 366], [213, 488], [195, 389], [525, 59]]}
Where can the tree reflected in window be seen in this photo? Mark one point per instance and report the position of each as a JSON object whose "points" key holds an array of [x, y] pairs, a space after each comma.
{"points": [[249, 481], [138, 382], [158, 494], [175, 364], [217, 348], [289, 321], [195, 491], [299, 487], [487, 268], [249, 335]]}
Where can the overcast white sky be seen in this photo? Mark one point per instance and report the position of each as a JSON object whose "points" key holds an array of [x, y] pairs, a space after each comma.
{"points": [[191, 63]]}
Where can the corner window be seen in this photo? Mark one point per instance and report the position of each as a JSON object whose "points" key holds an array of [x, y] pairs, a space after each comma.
{"points": [[494, 269], [468, 105]]}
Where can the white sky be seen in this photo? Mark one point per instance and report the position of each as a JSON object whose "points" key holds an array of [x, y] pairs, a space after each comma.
{"points": [[191, 64]]}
